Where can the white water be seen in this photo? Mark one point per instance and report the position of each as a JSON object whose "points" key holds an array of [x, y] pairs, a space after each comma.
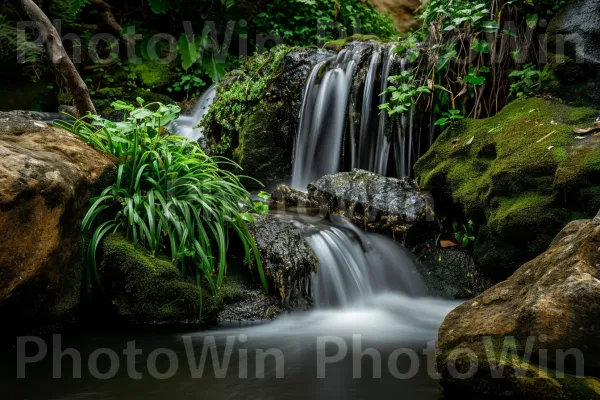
{"points": [[322, 120], [327, 119], [187, 125]]}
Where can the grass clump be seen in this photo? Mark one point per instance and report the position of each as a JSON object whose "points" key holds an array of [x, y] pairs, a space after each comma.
{"points": [[169, 196]]}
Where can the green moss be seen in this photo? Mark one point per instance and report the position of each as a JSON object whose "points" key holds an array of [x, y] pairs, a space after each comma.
{"points": [[523, 177], [152, 74], [244, 89], [521, 379], [145, 289], [337, 45]]}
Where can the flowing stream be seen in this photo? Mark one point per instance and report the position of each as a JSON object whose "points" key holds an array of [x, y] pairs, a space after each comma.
{"points": [[371, 330], [371, 318]]}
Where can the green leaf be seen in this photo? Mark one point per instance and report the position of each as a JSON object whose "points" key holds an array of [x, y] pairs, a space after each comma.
{"points": [[159, 6], [188, 51], [532, 20], [481, 46]]}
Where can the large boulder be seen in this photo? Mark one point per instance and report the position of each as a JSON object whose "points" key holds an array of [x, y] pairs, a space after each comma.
{"points": [[574, 46], [387, 205], [287, 259], [548, 309], [47, 177], [520, 176]]}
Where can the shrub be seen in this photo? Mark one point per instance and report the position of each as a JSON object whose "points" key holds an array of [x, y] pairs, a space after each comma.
{"points": [[168, 196]]}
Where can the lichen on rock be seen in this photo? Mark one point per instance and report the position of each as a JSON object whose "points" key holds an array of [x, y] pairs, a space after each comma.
{"points": [[286, 257]]}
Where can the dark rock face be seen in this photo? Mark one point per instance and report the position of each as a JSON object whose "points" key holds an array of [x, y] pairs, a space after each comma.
{"points": [[47, 177], [254, 305], [575, 31], [451, 273], [554, 302], [387, 205], [287, 259]]}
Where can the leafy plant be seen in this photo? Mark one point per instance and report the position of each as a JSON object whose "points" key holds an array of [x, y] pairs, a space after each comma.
{"points": [[168, 195], [298, 22], [260, 207], [464, 234], [525, 81], [449, 116], [404, 94]]}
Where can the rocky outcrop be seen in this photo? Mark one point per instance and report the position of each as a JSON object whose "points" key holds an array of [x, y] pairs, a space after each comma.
{"points": [[520, 176], [286, 257], [403, 12], [574, 45], [47, 177], [387, 205], [547, 309]]}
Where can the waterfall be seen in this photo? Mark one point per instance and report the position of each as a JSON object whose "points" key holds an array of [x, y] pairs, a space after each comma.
{"points": [[335, 134], [322, 118], [355, 266], [187, 125]]}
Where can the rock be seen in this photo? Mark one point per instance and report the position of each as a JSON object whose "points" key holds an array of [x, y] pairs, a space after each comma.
{"points": [[387, 205], [255, 305], [574, 46], [287, 259], [145, 289], [451, 273], [47, 177], [550, 304], [518, 192], [403, 12], [284, 197], [254, 118]]}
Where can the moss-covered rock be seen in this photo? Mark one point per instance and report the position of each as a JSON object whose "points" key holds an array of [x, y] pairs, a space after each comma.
{"points": [[520, 175], [255, 114], [145, 289], [152, 74], [547, 310]]}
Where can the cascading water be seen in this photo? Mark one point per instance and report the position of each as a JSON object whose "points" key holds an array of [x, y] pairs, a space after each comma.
{"points": [[322, 119], [187, 125], [336, 134]]}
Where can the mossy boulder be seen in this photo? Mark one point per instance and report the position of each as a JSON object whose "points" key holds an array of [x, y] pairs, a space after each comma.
{"points": [[47, 177], [254, 118], [144, 289], [520, 176], [546, 314]]}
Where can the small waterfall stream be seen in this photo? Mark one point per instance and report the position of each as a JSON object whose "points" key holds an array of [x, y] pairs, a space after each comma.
{"points": [[340, 126], [187, 125]]}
